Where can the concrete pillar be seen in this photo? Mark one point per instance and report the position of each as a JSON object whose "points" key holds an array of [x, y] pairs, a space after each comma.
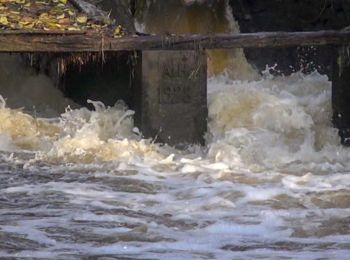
{"points": [[341, 94], [170, 96]]}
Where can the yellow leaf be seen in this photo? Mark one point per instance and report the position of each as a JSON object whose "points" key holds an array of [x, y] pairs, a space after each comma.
{"points": [[53, 25], [81, 19], [64, 21], [73, 29], [60, 16], [70, 12], [29, 26], [95, 26], [26, 20], [43, 16], [63, 1], [117, 30], [3, 20]]}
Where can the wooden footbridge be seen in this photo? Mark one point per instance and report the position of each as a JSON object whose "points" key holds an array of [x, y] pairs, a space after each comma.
{"points": [[170, 71]]}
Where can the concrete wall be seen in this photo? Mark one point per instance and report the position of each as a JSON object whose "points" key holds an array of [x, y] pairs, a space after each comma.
{"points": [[291, 15]]}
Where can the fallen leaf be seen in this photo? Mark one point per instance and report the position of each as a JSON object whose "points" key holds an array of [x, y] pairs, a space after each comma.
{"points": [[64, 21], [3, 20], [28, 26], [82, 19], [73, 29], [71, 12]]}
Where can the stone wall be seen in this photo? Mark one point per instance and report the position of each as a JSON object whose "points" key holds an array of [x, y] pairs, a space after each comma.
{"points": [[291, 15], [197, 17]]}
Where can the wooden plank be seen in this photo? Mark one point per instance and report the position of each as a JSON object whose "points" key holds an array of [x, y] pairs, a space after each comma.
{"points": [[22, 42], [41, 32]]}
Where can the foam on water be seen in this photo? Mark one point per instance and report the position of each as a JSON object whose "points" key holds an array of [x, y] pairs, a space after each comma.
{"points": [[276, 122], [79, 136], [24, 88], [272, 181]]}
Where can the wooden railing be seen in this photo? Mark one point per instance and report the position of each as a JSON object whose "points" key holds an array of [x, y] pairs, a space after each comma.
{"points": [[56, 41]]}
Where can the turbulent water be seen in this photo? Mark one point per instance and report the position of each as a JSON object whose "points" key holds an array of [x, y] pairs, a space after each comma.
{"points": [[271, 182]]}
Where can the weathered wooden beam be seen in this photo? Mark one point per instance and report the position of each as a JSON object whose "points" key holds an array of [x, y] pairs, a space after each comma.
{"points": [[64, 42], [41, 32]]}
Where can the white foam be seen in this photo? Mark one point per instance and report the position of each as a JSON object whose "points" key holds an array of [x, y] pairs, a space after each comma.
{"points": [[275, 122]]}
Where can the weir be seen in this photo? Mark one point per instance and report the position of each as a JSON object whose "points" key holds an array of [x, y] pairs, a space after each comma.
{"points": [[168, 72]]}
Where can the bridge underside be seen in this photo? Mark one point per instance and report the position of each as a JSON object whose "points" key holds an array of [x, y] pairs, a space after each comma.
{"points": [[163, 78]]}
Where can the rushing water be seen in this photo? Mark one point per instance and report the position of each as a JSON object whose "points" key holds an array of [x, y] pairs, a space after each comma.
{"points": [[272, 181]]}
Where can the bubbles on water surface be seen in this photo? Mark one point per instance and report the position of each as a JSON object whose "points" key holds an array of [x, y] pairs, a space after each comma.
{"points": [[277, 122], [271, 181]]}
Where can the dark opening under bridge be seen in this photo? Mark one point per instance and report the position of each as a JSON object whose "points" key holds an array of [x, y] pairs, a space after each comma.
{"points": [[169, 89]]}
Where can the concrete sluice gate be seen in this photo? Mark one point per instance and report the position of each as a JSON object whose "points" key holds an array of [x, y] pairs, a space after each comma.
{"points": [[168, 89]]}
